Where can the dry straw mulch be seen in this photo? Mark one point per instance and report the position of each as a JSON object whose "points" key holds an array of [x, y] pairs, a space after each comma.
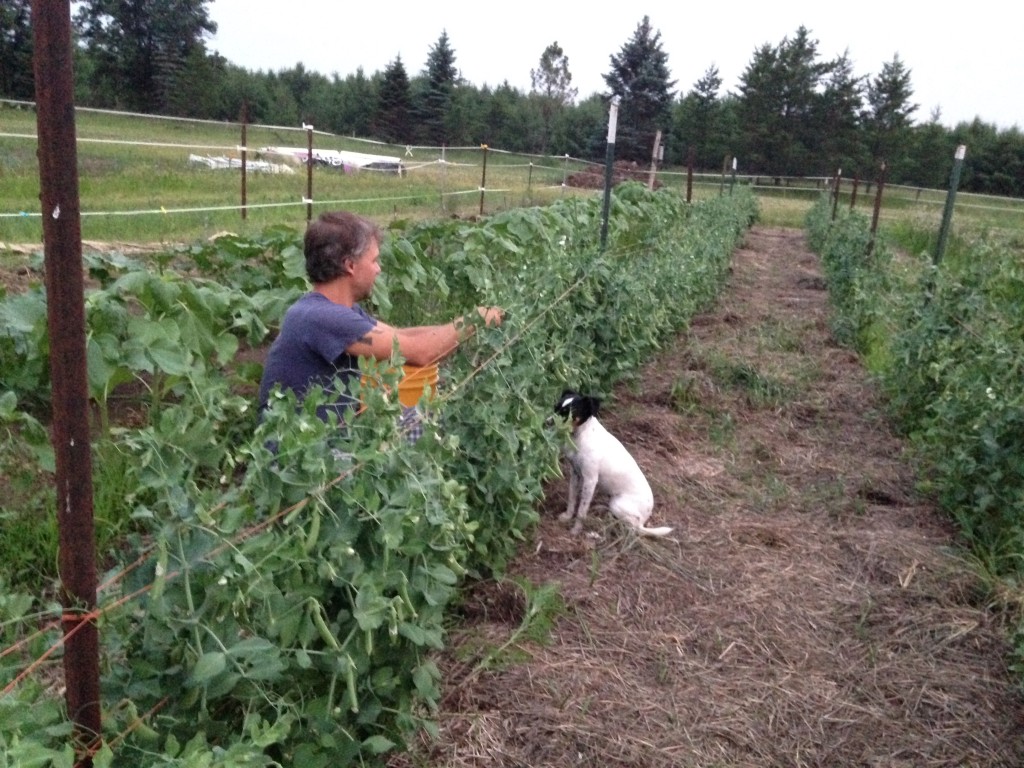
{"points": [[810, 610]]}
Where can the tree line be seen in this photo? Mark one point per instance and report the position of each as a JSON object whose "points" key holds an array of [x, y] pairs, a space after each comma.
{"points": [[794, 112]]}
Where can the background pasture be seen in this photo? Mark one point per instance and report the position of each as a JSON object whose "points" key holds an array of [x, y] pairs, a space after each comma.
{"points": [[137, 185]]}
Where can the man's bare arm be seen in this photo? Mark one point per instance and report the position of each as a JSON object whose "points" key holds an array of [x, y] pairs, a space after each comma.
{"points": [[419, 345]]}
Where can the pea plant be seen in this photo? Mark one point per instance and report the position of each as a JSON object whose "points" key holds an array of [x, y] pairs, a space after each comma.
{"points": [[288, 579], [946, 342]]}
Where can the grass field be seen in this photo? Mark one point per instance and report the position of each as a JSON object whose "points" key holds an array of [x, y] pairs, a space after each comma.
{"points": [[137, 185]]}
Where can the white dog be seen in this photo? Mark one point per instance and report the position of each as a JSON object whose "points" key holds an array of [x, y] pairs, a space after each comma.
{"points": [[601, 461]]}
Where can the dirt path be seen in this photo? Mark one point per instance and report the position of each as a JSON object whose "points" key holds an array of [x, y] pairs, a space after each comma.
{"points": [[809, 611]]}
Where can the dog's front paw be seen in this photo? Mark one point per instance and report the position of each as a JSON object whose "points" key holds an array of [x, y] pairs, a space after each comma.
{"points": [[565, 517], [577, 529]]}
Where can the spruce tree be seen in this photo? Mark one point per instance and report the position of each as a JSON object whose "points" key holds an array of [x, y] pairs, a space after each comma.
{"points": [[139, 48], [640, 76], [434, 101], [16, 80], [841, 142], [781, 106], [697, 123], [393, 121], [889, 119]]}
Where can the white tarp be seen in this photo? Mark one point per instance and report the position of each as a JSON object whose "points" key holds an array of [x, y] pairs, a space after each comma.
{"points": [[222, 162], [349, 161]]}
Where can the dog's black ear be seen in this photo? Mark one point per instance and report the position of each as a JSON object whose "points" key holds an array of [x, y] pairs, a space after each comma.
{"points": [[593, 405], [564, 401]]}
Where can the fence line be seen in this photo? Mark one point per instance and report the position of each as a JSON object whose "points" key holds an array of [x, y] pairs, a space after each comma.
{"points": [[762, 183]]}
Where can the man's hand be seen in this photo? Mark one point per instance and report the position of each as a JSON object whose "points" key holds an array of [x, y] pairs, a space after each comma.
{"points": [[491, 315]]}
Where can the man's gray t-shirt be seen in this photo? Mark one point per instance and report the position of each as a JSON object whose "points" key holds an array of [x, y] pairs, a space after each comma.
{"points": [[310, 350]]}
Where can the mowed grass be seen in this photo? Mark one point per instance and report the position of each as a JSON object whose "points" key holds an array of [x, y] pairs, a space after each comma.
{"points": [[136, 184]]}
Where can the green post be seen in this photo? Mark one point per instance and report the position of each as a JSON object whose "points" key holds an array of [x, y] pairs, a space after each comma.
{"points": [[609, 160], [309, 171], [947, 213]]}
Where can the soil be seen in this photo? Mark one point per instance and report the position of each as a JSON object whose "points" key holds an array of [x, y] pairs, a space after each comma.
{"points": [[593, 177], [809, 609]]}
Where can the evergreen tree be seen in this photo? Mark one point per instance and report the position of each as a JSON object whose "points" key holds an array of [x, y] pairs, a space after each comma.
{"points": [[841, 143], [552, 88], [393, 121], [466, 121], [586, 130], [16, 79], [781, 106], [299, 83], [200, 91], [281, 106], [889, 118], [139, 48], [347, 106], [640, 76], [243, 88], [930, 153], [761, 94], [697, 121], [434, 100], [509, 122], [1007, 165]]}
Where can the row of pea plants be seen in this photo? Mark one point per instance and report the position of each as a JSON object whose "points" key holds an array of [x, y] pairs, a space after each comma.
{"points": [[947, 344], [283, 607]]}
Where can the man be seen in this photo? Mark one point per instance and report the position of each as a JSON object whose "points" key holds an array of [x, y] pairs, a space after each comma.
{"points": [[325, 332]]}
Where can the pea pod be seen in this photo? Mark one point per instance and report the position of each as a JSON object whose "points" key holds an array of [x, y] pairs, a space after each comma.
{"points": [[403, 590], [350, 678], [316, 613], [313, 534]]}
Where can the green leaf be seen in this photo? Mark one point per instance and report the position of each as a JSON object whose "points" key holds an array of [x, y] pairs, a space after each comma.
{"points": [[378, 745], [208, 666]]}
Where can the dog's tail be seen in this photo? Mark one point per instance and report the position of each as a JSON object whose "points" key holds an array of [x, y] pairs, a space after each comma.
{"points": [[662, 531]]}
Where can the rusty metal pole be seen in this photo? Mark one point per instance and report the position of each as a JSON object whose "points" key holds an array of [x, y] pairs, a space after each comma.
{"points": [[245, 122], [65, 299], [690, 159], [878, 207], [836, 181], [483, 179]]}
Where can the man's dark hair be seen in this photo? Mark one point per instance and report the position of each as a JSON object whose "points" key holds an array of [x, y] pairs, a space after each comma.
{"points": [[334, 238]]}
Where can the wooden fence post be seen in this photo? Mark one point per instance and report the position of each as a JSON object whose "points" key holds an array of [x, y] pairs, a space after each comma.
{"points": [[655, 154]]}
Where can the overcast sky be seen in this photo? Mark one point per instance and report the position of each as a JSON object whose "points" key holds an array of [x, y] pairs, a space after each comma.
{"points": [[965, 60]]}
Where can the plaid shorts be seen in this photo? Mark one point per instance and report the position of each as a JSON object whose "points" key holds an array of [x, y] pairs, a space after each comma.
{"points": [[410, 423]]}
